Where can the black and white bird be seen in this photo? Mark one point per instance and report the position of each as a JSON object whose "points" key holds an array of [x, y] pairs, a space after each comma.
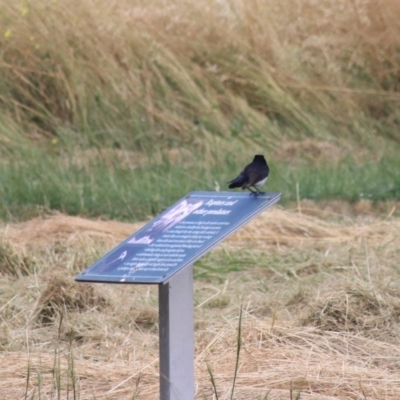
{"points": [[254, 174]]}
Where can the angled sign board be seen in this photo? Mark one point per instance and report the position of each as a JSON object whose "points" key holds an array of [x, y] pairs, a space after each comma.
{"points": [[177, 237]]}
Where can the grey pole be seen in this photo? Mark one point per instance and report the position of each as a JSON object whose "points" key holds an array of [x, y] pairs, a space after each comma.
{"points": [[176, 325]]}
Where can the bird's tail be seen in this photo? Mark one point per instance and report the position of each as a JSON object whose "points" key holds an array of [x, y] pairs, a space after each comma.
{"points": [[237, 182]]}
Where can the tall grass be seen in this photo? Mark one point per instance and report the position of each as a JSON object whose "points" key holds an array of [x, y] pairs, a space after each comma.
{"points": [[217, 80], [116, 73]]}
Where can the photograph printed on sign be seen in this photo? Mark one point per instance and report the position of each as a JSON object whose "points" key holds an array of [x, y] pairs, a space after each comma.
{"points": [[119, 262], [167, 221], [111, 263]]}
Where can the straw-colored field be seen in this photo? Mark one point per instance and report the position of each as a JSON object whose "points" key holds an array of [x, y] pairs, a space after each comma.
{"points": [[321, 310]]}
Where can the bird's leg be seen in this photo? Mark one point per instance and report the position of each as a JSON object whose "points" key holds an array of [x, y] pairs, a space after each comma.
{"points": [[253, 193], [258, 190]]}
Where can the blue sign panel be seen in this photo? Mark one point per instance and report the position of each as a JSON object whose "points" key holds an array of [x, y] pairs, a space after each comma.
{"points": [[177, 237]]}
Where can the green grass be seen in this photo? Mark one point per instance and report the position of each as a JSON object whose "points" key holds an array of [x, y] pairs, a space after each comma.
{"points": [[349, 180], [112, 189]]}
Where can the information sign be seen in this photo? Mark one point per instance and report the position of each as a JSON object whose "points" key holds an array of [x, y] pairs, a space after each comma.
{"points": [[177, 237]]}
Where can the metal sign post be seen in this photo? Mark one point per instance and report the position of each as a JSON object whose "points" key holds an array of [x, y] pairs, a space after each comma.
{"points": [[163, 253], [177, 336]]}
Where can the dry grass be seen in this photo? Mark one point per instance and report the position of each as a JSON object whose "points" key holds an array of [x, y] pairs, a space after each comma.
{"points": [[314, 221], [62, 295], [151, 70], [61, 228], [320, 296]]}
